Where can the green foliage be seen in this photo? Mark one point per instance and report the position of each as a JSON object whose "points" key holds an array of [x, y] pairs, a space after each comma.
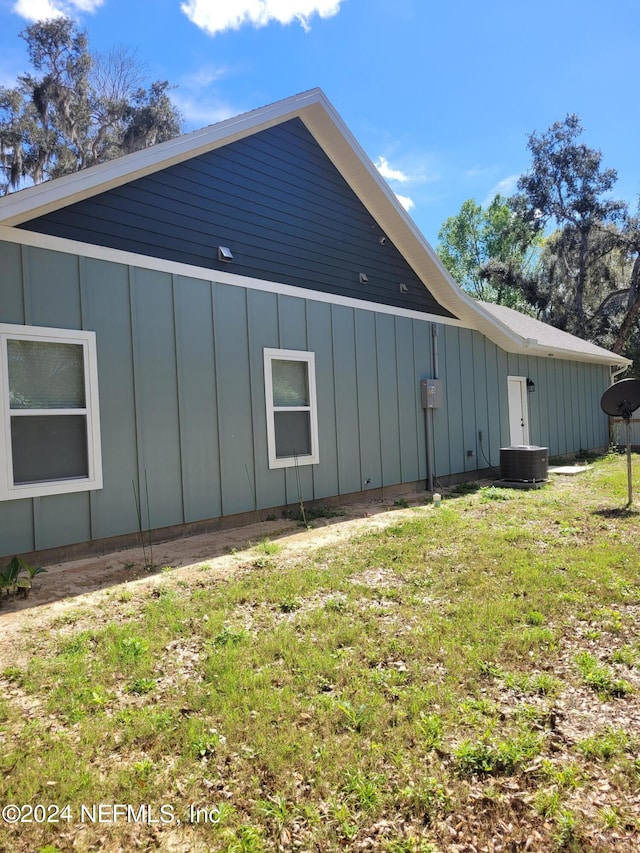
{"points": [[269, 547], [605, 745], [354, 718], [422, 684], [142, 685], [75, 109], [431, 729], [427, 799], [18, 577], [567, 835], [228, 637], [587, 282], [303, 515], [495, 493], [290, 604], [247, 840], [501, 757], [626, 655], [477, 235], [561, 248], [600, 677], [363, 789]]}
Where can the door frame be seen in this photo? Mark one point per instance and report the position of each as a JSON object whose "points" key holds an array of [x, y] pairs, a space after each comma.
{"points": [[518, 407]]}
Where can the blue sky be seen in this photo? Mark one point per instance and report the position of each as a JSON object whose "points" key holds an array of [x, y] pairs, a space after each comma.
{"points": [[441, 96]]}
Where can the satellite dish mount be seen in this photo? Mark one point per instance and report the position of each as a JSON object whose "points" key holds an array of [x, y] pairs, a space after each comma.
{"points": [[620, 401]]}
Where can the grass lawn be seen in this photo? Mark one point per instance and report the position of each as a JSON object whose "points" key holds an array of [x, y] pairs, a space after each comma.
{"points": [[466, 679]]}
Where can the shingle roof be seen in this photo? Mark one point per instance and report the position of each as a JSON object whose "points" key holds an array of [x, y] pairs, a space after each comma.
{"points": [[541, 336]]}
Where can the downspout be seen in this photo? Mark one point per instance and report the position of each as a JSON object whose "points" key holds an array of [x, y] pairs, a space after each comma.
{"points": [[428, 415], [615, 373]]}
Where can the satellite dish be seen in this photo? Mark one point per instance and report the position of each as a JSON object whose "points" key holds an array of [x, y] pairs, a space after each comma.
{"points": [[620, 401]]}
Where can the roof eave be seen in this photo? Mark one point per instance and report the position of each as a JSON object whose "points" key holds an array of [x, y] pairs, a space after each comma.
{"points": [[32, 202], [610, 359], [347, 155], [325, 124]]}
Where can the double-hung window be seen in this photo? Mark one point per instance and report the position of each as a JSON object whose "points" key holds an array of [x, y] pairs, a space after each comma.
{"points": [[292, 420], [49, 419]]}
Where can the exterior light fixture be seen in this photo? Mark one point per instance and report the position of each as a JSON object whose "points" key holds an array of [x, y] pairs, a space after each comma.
{"points": [[404, 288], [224, 254], [364, 278], [531, 386]]}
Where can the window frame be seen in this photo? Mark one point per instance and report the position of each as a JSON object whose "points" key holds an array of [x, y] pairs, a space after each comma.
{"points": [[271, 355], [9, 490]]}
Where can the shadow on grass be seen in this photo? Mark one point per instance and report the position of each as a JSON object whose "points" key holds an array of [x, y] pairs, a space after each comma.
{"points": [[462, 489], [617, 512]]}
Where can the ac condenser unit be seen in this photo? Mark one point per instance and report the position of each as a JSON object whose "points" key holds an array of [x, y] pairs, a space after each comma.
{"points": [[524, 464]]}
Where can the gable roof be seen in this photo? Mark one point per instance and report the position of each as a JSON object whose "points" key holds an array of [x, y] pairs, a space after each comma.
{"points": [[323, 122]]}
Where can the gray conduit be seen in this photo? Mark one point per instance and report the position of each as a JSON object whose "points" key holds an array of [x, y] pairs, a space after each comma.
{"points": [[428, 413]]}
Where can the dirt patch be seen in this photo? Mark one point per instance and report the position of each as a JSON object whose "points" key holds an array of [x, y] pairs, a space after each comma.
{"points": [[82, 584]]}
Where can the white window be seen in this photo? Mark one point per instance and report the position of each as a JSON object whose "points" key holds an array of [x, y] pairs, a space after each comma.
{"points": [[292, 421], [49, 419]]}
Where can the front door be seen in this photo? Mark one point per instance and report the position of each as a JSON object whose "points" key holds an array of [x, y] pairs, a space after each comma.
{"points": [[518, 411]]}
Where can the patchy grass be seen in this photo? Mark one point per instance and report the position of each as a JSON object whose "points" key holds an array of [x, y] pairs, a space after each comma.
{"points": [[465, 678]]}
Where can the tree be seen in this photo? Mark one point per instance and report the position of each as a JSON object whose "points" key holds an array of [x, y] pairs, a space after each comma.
{"points": [[567, 187], [587, 279], [475, 236], [76, 109]]}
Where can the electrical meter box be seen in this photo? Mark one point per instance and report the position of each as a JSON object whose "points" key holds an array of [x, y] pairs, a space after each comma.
{"points": [[432, 393]]}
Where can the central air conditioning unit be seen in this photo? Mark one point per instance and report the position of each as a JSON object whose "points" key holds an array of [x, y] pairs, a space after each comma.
{"points": [[524, 464]]}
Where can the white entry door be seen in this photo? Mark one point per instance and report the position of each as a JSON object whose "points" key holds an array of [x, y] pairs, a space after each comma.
{"points": [[518, 410]]}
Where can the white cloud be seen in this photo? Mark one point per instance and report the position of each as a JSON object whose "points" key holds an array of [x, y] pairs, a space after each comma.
{"points": [[389, 173], [40, 10], [198, 99], [198, 111], [214, 16], [505, 187], [406, 202], [398, 176]]}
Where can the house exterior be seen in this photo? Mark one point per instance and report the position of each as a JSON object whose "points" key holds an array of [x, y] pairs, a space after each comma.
{"points": [[241, 318]]}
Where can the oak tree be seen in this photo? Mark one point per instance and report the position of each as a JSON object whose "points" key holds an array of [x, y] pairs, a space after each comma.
{"points": [[74, 109]]}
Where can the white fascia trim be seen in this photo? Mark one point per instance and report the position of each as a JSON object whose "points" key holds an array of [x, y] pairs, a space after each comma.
{"points": [[611, 360], [331, 133], [348, 156], [43, 198], [338, 143], [118, 256]]}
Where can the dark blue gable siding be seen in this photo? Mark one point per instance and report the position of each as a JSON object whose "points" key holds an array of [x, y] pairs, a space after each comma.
{"points": [[274, 198]]}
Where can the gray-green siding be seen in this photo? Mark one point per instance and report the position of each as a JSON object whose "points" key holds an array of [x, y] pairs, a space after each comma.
{"points": [[181, 383]]}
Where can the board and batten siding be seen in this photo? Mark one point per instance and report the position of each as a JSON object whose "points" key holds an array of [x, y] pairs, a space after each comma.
{"points": [[182, 396], [274, 199]]}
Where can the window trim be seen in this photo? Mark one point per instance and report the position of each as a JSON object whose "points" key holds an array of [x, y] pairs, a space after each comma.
{"points": [[271, 355], [9, 490]]}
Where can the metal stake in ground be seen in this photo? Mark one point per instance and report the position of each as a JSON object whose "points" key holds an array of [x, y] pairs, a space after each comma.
{"points": [[620, 401]]}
